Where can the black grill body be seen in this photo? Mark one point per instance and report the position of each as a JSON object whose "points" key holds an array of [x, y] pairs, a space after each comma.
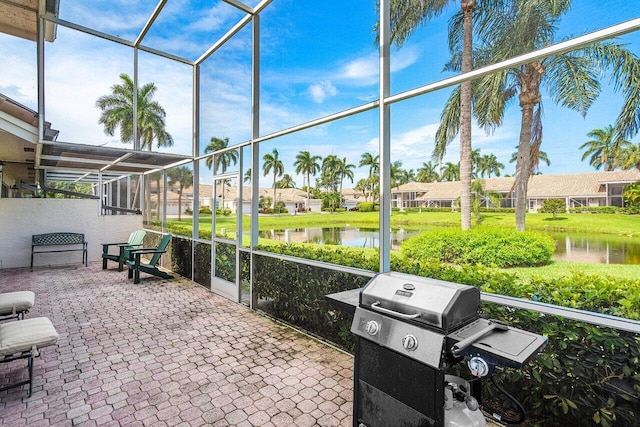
{"points": [[404, 329], [393, 390]]}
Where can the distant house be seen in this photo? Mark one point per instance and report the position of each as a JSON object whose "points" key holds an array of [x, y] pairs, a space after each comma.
{"points": [[581, 189], [292, 198]]}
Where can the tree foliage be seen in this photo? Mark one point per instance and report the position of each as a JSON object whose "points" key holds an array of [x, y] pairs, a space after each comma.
{"points": [[117, 112], [553, 206]]}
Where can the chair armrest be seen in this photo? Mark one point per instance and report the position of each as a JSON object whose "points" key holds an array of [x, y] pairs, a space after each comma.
{"points": [[113, 244], [136, 253], [145, 251]]}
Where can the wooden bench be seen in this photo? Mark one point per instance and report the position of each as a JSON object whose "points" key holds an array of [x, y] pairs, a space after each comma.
{"points": [[74, 242]]}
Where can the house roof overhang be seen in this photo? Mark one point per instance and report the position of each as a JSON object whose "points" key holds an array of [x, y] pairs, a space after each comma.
{"points": [[20, 18]]}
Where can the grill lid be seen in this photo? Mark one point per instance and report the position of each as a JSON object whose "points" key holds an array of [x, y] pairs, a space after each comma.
{"points": [[436, 303]]}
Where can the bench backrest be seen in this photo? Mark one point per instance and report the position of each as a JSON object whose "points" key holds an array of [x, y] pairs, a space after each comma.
{"points": [[136, 238], [162, 246], [50, 239]]}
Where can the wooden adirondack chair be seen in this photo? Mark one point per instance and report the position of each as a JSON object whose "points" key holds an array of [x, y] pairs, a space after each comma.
{"points": [[135, 241], [136, 266]]}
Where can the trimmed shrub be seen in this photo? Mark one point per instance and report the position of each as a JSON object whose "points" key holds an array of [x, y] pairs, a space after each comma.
{"points": [[488, 246], [445, 209], [597, 209], [368, 207], [553, 206]]}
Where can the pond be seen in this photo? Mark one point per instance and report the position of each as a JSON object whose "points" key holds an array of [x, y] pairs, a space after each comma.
{"points": [[591, 248], [596, 248]]}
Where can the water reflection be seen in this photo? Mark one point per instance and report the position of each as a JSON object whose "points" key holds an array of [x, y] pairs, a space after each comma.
{"points": [[595, 249], [342, 236]]}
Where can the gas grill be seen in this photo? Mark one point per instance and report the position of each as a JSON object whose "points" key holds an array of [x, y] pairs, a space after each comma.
{"points": [[408, 331]]}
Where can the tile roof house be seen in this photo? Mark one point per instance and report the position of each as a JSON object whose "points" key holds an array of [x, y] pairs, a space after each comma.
{"points": [[581, 189]]}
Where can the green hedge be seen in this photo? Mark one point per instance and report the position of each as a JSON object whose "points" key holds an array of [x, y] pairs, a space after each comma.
{"points": [[597, 209], [585, 375], [448, 209], [368, 207], [487, 246]]}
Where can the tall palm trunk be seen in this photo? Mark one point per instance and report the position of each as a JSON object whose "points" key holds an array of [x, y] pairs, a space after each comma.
{"points": [[308, 189], [222, 195], [468, 6], [275, 176], [159, 199], [529, 97]]}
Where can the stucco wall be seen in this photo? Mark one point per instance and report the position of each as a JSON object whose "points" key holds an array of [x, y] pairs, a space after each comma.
{"points": [[21, 218]]}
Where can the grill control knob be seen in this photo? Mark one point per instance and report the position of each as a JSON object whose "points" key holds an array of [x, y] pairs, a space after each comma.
{"points": [[410, 342], [478, 366], [372, 327]]}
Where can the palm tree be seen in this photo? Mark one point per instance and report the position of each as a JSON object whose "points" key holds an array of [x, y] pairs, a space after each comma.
{"points": [[400, 176], [247, 176], [489, 164], [427, 173], [480, 195], [605, 148], [183, 177], [631, 194], [221, 161], [476, 163], [536, 156], [406, 16], [362, 186], [286, 182], [345, 170], [117, 111], [523, 26], [373, 161], [331, 172], [631, 157], [157, 177], [308, 165], [451, 172], [273, 164]]}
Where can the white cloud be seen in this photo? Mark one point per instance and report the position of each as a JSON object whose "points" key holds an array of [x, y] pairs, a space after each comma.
{"points": [[322, 90], [361, 68], [213, 18], [364, 70]]}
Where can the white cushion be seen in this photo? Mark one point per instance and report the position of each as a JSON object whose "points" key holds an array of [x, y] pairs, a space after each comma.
{"points": [[15, 302], [23, 335]]}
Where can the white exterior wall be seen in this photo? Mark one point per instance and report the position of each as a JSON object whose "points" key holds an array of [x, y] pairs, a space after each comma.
{"points": [[21, 218]]}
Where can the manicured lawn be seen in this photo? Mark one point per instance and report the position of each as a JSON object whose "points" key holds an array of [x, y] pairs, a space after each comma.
{"points": [[627, 225], [564, 268]]}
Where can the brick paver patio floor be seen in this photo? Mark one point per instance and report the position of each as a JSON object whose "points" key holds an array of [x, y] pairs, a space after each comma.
{"points": [[166, 353]]}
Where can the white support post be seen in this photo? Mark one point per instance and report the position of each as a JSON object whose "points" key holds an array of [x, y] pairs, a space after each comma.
{"points": [[385, 137], [255, 151]]}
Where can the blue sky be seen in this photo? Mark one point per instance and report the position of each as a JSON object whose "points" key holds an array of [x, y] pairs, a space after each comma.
{"points": [[317, 58]]}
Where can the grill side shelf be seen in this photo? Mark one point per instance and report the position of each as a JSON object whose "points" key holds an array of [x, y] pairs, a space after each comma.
{"points": [[511, 348]]}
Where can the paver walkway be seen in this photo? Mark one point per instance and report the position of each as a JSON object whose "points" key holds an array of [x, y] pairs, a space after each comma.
{"points": [[166, 353]]}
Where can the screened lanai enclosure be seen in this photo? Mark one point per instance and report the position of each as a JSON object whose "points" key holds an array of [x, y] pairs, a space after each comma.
{"points": [[348, 98]]}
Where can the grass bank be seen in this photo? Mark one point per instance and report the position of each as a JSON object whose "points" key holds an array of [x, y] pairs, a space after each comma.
{"points": [[617, 224], [564, 268]]}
